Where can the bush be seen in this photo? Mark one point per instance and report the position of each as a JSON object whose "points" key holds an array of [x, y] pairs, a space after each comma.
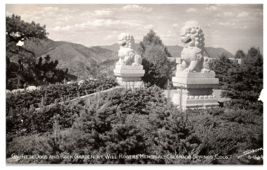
{"points": [[244, 83], [143, 123], [227, 132], [60, 92], [221, 66]]}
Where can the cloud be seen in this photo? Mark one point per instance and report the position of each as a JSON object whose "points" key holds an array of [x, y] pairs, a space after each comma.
{"points": [[63, 17], [243, 14], [98, 24], [98, 13], [243, 27], [191, 10], [102, 22], [109, 37], [233, 25], [57, 28], [50, 8], [66, 28], [103, 12], [259, 13], [136, 8], [191, 23], [168, 36], [228, 14], [175, 25], [149, 26], [212, 8], [226, 23], [8, 14], [225, 14]]}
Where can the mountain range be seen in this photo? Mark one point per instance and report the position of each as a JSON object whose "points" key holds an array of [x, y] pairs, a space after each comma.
{"points": [[176, 50], [88, 61], [78, 58]]}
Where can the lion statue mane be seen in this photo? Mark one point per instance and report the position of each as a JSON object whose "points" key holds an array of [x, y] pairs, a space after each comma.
{"points": [[192, 55], [127, 54]]}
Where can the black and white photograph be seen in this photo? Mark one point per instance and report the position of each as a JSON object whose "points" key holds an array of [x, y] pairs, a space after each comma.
{"points": [[169, 84]]}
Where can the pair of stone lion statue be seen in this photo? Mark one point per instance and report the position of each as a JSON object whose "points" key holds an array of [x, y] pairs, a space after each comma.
{"points": [[192, 56]]}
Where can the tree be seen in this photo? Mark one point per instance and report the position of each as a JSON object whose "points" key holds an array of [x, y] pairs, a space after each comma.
{"points": [[244, 83], [221, 67], [48, 71], [18, 30], [26, 70], [240, 54], [158, 69]]}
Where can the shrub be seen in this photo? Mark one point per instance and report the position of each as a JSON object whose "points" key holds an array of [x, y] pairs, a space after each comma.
{"points": [[244, 83]]}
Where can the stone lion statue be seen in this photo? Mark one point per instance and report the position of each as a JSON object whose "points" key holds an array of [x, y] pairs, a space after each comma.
{"points": [[127, 54], [192, 55]]}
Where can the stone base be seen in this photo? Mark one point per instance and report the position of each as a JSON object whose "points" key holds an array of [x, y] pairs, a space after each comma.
{"points": [[130, 84], [129, 76], [195, 90], [129, 71], [195, 80], [194, 102]]}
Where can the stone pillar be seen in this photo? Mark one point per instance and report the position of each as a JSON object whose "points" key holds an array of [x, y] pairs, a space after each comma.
{"points": [[195, 89], [128, 70], [129, 75]]}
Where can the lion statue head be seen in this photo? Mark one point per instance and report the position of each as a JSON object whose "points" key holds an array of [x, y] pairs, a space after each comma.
{"points": [[127, 54], [192, 36], [126, 40]]}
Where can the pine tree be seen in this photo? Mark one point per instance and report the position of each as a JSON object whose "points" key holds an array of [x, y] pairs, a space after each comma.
{"points": [[221, 67], [240, 54], [245, 83], [158, 69]]}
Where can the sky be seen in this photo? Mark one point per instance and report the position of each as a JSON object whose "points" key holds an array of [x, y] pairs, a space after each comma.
{"points": [[229, 26]]}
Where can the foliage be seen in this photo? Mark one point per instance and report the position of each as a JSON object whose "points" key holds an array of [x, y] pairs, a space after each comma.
{"points": [[26, 70], [227, 132], [60, 92], [240, 54], [19, 30], [30, 121], [158, 69], [144, 124], [105, 126], [221, 67], [244, 84]]}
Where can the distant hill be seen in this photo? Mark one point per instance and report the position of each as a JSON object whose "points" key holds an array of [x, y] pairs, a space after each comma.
{"points": [[216, 52], [77, 58], [176, 50]]}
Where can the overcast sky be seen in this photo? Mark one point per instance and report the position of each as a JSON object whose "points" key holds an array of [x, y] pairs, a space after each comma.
{"points": [[231, 27]]}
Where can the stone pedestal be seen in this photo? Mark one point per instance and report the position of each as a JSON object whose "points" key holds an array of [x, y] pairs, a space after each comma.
{"points": [[130, 76], [195, 89]]}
